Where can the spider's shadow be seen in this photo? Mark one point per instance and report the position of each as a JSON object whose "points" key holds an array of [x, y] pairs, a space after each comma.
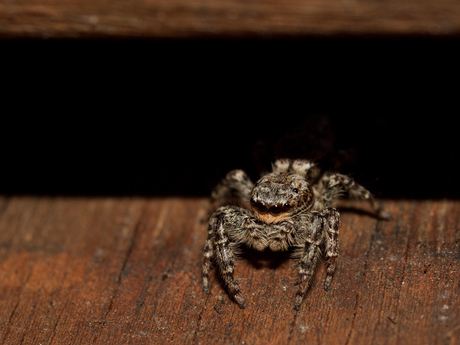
{"points": [[356, 211], [258, 260], [265, 259], [262, 260]]}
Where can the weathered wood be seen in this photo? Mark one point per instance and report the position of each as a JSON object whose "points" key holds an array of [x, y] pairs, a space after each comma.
{"points": [[232, 18], [127, 271]]}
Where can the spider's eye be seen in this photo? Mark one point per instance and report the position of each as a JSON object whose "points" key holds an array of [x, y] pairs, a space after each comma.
{"points": [[295, 190], [261, 208], [275, 209]]}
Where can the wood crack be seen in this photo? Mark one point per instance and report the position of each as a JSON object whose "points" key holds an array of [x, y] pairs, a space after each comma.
{"points": [[292, 326], [363, 277], [103, 320], [15, 308], [13, 312]]}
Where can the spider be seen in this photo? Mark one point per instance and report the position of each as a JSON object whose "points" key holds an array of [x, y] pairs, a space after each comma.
{"points": [[289, 208]]}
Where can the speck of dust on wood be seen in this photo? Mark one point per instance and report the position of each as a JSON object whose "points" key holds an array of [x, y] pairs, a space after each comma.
{"points": [[125, 270]]}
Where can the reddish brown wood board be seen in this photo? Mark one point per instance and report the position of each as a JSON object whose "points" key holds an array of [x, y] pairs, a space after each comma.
{"points": [[81, 270], [231, 18]]}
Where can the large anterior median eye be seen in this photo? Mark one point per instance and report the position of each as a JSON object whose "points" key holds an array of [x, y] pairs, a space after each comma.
{"points": [[261, 208], [275, 209], [272, 209]]}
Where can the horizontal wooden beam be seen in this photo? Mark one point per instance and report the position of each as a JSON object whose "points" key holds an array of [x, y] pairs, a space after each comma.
{"points": [[228, 18]]}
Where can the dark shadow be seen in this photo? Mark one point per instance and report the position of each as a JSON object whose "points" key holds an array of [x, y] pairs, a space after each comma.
{"points": [[255, 259], [172, 117], [357, 211], [265, 259]]}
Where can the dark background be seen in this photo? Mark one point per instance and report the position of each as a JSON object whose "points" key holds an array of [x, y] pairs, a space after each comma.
{"points": [[171, 117]]}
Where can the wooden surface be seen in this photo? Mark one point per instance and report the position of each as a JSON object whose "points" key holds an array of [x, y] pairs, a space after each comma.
{"points": [[231, 18], [81, 270]]}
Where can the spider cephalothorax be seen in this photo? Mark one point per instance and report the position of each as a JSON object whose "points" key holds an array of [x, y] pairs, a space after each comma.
{"points": [[279, 196], [290, 208]]}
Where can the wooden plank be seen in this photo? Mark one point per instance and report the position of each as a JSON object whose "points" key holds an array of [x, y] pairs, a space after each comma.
{"points": [[127, 271], [230, 18]]}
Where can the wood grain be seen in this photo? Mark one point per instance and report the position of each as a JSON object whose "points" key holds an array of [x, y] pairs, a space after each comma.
{"points": [[230, 18], [107, 270]]}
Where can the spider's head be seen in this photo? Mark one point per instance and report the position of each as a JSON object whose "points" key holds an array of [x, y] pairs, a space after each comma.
{"points": [[279, 196]]}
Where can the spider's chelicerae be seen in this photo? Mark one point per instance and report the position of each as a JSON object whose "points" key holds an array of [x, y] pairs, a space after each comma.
{"points": [[289, 208]]}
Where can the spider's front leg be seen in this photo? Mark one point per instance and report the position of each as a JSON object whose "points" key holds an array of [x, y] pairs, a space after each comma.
{"points": [[332, 223], [309, 256], [225, 231], [323, 227]]}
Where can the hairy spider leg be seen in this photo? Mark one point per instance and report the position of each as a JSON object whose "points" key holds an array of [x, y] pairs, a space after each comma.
{"points": [[302, 167], [331, 186], [309, 257], [224, 254], [236, 185], [333, 223], [208, 253]]}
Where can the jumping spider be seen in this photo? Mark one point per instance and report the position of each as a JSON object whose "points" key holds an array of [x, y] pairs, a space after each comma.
{"points": [[289, 208]]}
